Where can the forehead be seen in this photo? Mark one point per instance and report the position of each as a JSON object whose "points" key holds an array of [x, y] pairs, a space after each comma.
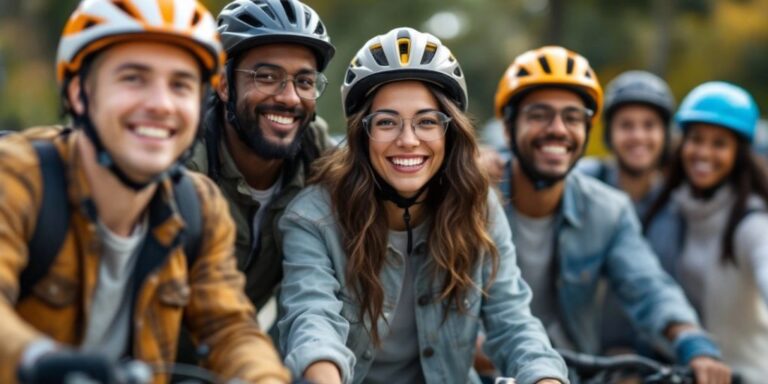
{"points": [[288, 56], [710, 130], [552, 96], [148, 55], [404, 96]]}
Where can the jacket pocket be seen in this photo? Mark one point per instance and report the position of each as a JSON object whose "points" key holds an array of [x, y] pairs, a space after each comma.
{"points": [[56, 291], [174, 293]]}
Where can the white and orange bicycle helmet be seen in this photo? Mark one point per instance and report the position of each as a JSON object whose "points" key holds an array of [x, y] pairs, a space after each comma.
{"points": [[96, 24]]}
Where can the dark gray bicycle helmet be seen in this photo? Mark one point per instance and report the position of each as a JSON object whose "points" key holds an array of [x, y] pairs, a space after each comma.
{"points": [[637, 87], [400, 54], [244, 24]]}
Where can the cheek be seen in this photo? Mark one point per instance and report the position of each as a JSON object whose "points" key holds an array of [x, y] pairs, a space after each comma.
{"points": [[376, 154]]}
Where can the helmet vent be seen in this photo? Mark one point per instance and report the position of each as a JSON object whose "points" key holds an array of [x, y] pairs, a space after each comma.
{"points": [[289, 11], [544, 64], [266, 9], [127, 9], [404, 49], [196, 18], [523, 72], [249, 20], [378, 55], [350, 76], [457, 72], [320, 30], [588, 74], [429, 54], [307, 17], [569, 66]]}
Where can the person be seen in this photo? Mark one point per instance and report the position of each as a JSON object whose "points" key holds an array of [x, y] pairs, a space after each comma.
{"points": [[398, 249], [637, 118], [719, 186], [571, 231], [132, 75], [261, 132]]}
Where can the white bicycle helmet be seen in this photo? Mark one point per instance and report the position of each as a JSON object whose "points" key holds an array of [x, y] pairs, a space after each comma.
{"points": [[401, 54]]}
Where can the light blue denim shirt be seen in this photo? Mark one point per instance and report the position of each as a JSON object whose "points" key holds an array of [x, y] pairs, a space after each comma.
{"points": [[321, 319], [599, 237]]}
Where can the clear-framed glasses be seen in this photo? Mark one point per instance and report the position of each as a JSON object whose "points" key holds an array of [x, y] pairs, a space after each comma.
{"points": [[388, 126], [272, 80], [542, 115]]}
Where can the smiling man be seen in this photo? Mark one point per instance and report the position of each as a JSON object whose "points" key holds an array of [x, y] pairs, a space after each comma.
{"points": [[571, 231], [261, 131], [133, 262]]}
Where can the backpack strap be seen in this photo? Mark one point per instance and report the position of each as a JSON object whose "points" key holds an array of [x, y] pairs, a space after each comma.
{"points": [[188, 202], [52, 218]]}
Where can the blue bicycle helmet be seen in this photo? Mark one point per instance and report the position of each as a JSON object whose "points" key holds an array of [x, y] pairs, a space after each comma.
{"points": [[723, 104]]}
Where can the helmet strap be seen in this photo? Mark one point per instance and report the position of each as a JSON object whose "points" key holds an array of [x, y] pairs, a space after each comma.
{"points": [[385, 191]]}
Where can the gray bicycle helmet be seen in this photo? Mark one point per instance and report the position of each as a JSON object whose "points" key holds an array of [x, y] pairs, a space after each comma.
{"points": [[244, 24], [638, 87], [401, 54]]}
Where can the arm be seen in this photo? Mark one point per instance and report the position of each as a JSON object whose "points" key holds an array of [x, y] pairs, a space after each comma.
{"points": [[750, 240], [20, 191], [515, 340], [312, 328], [219, 314]]}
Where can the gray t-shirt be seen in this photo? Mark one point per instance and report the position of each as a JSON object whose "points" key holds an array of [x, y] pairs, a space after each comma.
{"points": [[108, 327], [397, 359]]}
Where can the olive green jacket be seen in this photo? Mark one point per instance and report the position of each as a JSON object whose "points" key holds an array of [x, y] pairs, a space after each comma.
{"points": [[263, 266]]}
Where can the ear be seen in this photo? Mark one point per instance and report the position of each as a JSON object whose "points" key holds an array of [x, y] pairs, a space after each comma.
{"points": [[73, 95], [223, 89]]}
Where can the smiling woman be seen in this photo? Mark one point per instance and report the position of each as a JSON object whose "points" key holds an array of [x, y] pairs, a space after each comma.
{"points": [[399, 249]]}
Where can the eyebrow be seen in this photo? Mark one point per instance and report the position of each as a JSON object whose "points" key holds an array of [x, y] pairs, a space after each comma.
{"points": [[392, 111], [146, 68], [256, 66]]}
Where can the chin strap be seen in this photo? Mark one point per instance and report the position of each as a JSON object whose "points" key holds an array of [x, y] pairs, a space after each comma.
{"points": [[387, 192]]}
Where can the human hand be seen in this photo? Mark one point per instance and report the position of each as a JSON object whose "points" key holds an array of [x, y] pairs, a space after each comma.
{"points": [[710, 371]]}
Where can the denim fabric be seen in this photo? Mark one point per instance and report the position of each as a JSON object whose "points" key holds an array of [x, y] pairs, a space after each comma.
{"points": [[322, 319], [599, 237]]}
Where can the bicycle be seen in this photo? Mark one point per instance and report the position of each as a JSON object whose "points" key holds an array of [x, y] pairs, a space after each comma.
{"points": [[590, 369]]}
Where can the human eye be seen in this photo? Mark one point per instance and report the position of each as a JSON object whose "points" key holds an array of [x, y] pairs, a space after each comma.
{"points": [[538, 114], [306, 81], [267, 76], [574, 116], [384, 122], [132, 78]]}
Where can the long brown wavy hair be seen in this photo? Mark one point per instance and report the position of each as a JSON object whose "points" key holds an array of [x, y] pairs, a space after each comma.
{"points": [[456, 201], [749, 175]]}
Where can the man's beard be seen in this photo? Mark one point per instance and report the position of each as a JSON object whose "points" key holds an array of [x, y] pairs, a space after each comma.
{"points": [[250, 131], [544, 178]]}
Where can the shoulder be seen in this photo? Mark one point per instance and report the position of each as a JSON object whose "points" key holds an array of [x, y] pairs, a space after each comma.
{"points": [[592, 197], [198, 161], [313, 203], [592, 166]]}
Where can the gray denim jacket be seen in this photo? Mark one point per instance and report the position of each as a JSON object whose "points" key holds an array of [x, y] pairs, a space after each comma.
{"points": [[598, 237], [321, 320]]}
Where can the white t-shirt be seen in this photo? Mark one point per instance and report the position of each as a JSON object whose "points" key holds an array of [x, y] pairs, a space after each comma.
{"points": [[263, 197]]}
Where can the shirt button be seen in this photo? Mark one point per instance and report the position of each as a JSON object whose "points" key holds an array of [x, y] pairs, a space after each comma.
{"points": [[428, 352], [423, 300], [367, 355]]}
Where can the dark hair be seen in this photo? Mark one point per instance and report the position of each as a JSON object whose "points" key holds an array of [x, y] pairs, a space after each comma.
{"points": [[749, 175]]}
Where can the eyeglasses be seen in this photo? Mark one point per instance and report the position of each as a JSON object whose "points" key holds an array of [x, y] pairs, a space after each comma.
{"points": [[387, 126], [542, 115], [271, 80]]}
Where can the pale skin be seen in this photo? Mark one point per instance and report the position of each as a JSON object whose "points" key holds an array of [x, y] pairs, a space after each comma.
{"points": [[545, 202]]}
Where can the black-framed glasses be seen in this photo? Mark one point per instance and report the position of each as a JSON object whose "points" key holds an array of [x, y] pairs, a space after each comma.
{"points": [[272, 80], [387, 126], [542, 115]]}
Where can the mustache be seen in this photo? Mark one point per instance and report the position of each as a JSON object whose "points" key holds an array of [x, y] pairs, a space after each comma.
{"points": [[275, 108], [553, 138]]}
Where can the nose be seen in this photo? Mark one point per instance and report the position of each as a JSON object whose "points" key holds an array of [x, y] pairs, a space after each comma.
{"points": [[408, 136], [557, 124], [288, 95], [160, 99]]}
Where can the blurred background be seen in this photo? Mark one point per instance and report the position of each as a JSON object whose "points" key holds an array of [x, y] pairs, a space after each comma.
{"points": [[685, 41]]}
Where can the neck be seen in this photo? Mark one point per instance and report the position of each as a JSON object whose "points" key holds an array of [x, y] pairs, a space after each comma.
{"points": [[637, 185], [259, 173], [395, 215], [106, 190], [531, 202]]}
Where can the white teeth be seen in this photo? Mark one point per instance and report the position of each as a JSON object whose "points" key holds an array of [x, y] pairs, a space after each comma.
{"points": [[554, 149], [408, 162], [153, 132], [280, 119], [702, 167]]}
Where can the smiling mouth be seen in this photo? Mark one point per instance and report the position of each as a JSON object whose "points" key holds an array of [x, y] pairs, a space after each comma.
{"points": [[280, 119], [152, 132], [554, 149], [408, 162]]}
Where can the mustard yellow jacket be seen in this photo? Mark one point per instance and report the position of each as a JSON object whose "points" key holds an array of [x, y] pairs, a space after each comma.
{"points": [[208, 298]]}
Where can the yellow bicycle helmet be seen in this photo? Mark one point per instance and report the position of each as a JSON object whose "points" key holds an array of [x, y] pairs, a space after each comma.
{"points": [[549, 66], [96, 24]]}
